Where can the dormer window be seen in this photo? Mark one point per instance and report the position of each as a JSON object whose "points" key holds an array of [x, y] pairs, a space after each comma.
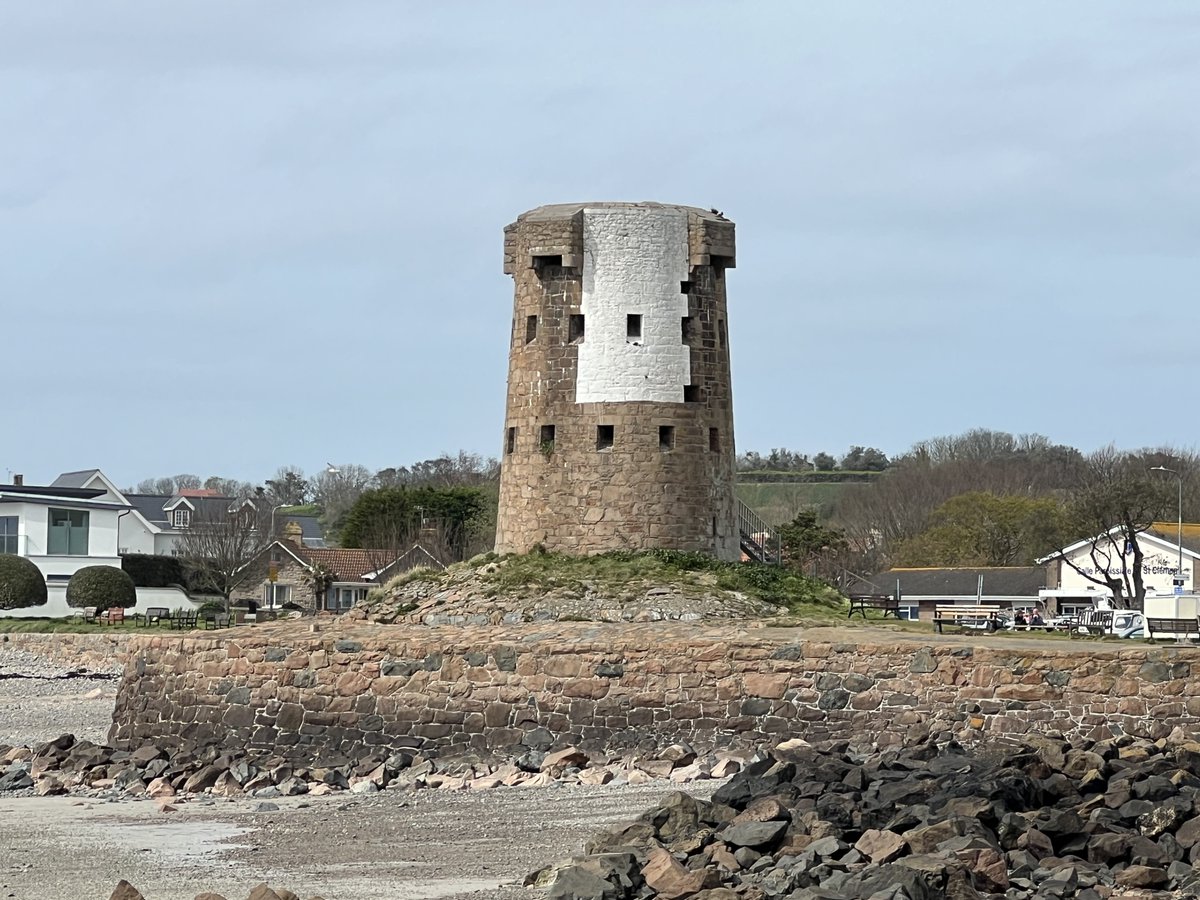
{"points": [[181, 518]]}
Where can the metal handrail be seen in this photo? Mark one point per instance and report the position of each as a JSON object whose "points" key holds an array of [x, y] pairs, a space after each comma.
{"points": [[753, 530]]}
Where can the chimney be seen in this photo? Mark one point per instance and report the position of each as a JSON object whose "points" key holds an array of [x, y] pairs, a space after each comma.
{"points": [[18, 479], [294, 533]]}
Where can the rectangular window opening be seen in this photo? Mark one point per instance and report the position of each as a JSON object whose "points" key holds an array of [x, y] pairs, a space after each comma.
{"points": [[714, 440], [666, 437], [546, 438], [721, 331], [685, 287], [604, 437], [8, 534], [530, 329], [686, 328], [575, 329], [633, 327], [549, 259], [510, 443], [691, 393], [68, 533], [714, 526]]}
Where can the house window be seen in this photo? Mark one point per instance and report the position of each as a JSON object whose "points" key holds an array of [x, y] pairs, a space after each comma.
{"points": [[604, 437], [347, 597], [575, 329], [530, 329], [68, 533], [909, 613], [633, 327], [276, 595], [666, 437], [181, 518], [546, 439], [8, 534]]}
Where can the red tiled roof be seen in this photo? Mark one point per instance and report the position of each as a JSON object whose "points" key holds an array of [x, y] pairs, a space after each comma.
{"points": [[349, 565]]}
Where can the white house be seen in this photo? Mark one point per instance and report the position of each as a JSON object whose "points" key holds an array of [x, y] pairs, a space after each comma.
{"points": [[80, 520], [1109, 556]]}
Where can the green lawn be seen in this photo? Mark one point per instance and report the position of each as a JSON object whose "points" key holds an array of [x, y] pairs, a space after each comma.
{"points": [[780, 502]]}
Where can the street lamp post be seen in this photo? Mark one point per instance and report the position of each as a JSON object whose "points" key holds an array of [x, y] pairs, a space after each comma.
{"points": [[1179, 476]]}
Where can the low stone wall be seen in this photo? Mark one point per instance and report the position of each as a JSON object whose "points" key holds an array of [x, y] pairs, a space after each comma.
{"points": [[95, 652], [280, 689]]}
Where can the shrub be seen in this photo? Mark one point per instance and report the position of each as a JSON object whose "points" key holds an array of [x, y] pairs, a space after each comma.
{"points": [[102, 587], [148, 570], [21, 583], [210, 606]]}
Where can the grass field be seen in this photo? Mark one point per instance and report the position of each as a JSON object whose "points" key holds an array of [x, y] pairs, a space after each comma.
{"points": [[780, 502]]}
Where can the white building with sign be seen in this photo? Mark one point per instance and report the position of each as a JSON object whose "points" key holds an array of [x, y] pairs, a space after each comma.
{"points": [[1073, 570]]}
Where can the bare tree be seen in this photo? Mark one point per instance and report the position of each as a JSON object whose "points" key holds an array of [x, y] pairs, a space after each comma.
{"points": [[289, 486], [448, 470], [223, 537], [169, 485], [1120, 501], [338, 487]]}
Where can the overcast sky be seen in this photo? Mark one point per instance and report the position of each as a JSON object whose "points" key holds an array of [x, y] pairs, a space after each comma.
{"points": [[235, 235]]}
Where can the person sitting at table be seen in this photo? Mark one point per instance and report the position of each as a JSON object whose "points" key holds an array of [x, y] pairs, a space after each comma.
{"points": [[1035, 618], [1019, 618]]}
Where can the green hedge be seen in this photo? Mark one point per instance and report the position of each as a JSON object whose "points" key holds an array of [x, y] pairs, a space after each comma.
{"points": [[21, 583], [148, 570], [102, 587]]}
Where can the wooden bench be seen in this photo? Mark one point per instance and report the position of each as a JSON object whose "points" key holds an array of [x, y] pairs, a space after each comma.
{"points": [[965, 616], [156, 615], [1177, 628], [885, 603], [1096, 623]]}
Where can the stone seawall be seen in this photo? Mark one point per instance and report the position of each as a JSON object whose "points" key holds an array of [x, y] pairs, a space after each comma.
{"points": [[280, 689], [95, 652]]}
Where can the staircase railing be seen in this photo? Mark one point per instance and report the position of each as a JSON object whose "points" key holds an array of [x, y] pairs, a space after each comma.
{"points": [[760, 541]]}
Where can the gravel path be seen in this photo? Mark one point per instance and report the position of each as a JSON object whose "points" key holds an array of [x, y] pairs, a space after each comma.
{"points": [[431, 844]]}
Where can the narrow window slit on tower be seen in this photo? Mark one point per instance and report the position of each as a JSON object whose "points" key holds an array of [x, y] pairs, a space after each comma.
{"points": [[510, 443], [604, 437], [686, 328], [633, 327], [714, 526], [666, 437], [721, 331], [530, 329], [714, 440], [546, 438], [575, 329], [691, 393]]}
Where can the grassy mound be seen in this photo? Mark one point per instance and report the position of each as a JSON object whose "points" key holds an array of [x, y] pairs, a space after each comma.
{"points": [[576, 584]]}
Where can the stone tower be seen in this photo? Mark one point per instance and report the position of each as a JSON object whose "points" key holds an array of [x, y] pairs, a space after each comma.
{"points": [[618, 432]]}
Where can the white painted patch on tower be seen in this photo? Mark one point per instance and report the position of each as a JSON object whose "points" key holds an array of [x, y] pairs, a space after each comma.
{"points": [[634, 263]]}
